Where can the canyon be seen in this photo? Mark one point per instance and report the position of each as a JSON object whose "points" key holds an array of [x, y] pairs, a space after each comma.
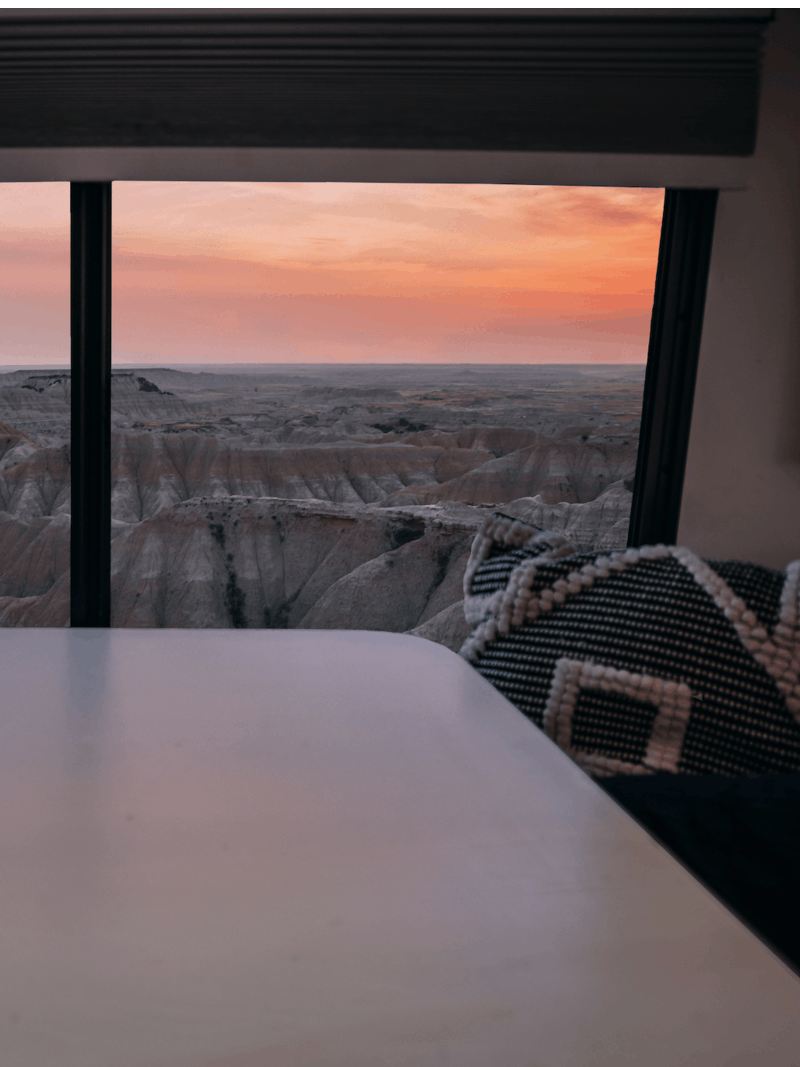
{"points": [[322, 496]]}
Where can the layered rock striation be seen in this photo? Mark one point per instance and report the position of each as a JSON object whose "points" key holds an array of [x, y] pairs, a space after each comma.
{"points": [[566, 468], [225, 559], [275, 563], [268, 562], [151, 472], [598, 524], [15, 446], [316, 499], [34, 578], [39, 404], [38, 485]]}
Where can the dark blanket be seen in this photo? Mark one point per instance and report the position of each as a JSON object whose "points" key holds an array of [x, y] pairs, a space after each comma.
{"points": [[741, 836]]}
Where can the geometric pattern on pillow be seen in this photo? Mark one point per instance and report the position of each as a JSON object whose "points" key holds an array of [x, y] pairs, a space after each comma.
{"points": [[643, 661], [661, 710]]}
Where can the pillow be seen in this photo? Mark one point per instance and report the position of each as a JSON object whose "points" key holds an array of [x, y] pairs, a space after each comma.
{"points": [[644, 661]]}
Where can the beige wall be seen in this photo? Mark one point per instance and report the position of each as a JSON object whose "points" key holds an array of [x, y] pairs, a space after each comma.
{"points": [[742, 489]]}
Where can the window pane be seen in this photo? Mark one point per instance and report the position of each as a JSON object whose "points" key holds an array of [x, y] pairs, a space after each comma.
{"points": [[321, 390], [34, 404]]}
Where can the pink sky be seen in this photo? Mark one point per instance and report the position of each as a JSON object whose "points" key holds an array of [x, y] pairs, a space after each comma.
{"points": [[248, 272]]}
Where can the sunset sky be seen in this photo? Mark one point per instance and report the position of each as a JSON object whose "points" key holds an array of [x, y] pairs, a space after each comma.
{"points": [[358, 273]]}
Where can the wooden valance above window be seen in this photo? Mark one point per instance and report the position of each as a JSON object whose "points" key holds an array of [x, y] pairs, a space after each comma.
{"points": [[652, 81]]}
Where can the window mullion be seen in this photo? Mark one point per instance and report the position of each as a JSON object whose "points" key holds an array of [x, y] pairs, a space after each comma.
{"points": [[683, 260], [90, 282]]}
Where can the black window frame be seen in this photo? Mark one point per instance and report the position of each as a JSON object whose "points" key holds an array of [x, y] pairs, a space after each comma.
{"points": [[676, 325], [675, 332], [90, 427]]}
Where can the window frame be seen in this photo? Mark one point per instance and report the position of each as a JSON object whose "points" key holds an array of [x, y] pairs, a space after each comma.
{"points": [[675, 331], [90, 391], [676, 325]]}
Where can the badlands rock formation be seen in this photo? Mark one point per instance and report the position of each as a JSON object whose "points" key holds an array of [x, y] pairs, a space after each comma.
{"points": [[40, 403], [38, 485], [570, 468], [151, 472], [246, 562], [154, 471], [310, 498], [266, 562], [600, 523], [41, 408], [14, 446]]}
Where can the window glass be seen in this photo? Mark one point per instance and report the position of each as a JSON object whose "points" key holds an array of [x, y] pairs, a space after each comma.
{"points": [[321, 390], [34, 404]]}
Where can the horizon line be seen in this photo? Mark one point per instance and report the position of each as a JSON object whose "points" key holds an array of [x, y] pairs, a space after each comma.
{"points": [[327, 363]]}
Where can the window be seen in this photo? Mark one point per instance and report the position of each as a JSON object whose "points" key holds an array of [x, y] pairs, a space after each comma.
{"points": [[320, 391], [34, 404]]}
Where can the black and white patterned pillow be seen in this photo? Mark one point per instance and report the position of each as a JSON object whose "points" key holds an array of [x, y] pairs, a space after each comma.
{"points": [[643, 661]]}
